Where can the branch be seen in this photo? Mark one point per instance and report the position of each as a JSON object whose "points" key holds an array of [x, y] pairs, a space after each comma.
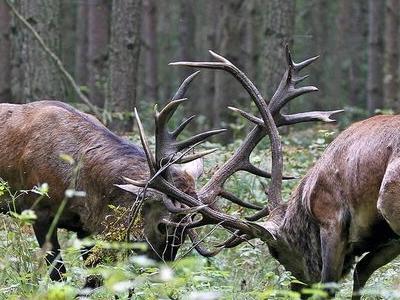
{"points": [[93, 108]]}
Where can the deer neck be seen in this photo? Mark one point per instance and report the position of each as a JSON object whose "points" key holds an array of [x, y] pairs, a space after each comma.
{"points": [[300, 234]]}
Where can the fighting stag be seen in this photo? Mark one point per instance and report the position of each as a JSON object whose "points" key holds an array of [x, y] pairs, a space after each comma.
{"points": [[35, 137], [344, 207]]}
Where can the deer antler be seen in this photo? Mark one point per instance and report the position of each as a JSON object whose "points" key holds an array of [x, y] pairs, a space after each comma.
{"points": [[170, 151], [271, 118], [241, 158]]}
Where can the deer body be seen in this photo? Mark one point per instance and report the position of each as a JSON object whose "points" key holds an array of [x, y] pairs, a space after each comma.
{"points": [[34, 135], [338, 210]]}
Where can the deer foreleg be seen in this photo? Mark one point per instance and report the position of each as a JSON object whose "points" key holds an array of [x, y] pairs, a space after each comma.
{"points": [[53, 258], [85, 251], [389, 195], [333, 249], [371, 262]]}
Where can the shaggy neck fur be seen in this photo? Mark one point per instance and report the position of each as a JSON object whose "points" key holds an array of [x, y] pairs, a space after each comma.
{"points": [[301, 233]]}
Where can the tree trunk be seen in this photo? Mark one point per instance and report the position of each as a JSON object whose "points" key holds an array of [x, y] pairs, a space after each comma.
{"points": [[350, 48], [5, 53], [187, 29], [278, 31], [98, 38], [124, 58], [230, 42], [81, 48], [150, 49], [391, 78], [375, 56], [36, 76], [167, 48], [187, 48], [207, 22], [68, 25]]}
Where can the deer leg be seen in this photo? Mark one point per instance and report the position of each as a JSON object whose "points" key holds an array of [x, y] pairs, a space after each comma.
{"points": [[58, 268], [389, 196], [85, 251], [333, 248], [371, 262]]}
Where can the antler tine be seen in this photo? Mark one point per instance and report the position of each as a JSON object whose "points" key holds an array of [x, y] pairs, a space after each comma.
{"points": [[225, 64], [166, 143], [197, 138], [286, 90], [145, 144], [248, 116], [183, 211], [231, 197], [301, 65], [166, 113], [192, 157], [324, 116], [182, 126], [180, 93]]}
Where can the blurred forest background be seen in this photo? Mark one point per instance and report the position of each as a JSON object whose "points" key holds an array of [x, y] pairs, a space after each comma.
{"points": [[118, 52]]}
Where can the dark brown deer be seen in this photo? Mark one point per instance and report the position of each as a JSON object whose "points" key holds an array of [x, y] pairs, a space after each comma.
{"points": [[34, 135], [345, 206]]}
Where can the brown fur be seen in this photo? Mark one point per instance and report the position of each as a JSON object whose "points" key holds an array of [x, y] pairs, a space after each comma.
{"points": [[334, 214], [34, 135]]}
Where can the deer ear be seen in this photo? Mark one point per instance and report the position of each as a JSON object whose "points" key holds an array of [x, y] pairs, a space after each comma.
{"points": [[269, 230], [194, 168], [129, 188]]}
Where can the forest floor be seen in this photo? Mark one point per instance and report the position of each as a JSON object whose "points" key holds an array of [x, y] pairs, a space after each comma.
{"points": [[240, 273]]}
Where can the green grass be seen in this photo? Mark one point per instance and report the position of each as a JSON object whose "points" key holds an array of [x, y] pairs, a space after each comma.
{"points": [[240, 273]]}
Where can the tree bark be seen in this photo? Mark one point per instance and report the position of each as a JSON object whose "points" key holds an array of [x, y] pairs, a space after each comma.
{"points": [[278, 31], [350, 47], [68, 25], [98, 38], [124, 58], [5, 53], [81, 48], [167, 33], [150, 49], [391, 78], [230, 42], [207, 22], [35, 76], [187, 29], [375, 56]]}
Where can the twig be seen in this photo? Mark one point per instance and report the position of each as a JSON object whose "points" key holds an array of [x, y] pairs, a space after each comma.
{"points": [[93, 108]]}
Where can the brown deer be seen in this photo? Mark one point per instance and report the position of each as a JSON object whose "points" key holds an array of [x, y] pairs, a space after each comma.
{"points": [[34, 135], [344, 207]]}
